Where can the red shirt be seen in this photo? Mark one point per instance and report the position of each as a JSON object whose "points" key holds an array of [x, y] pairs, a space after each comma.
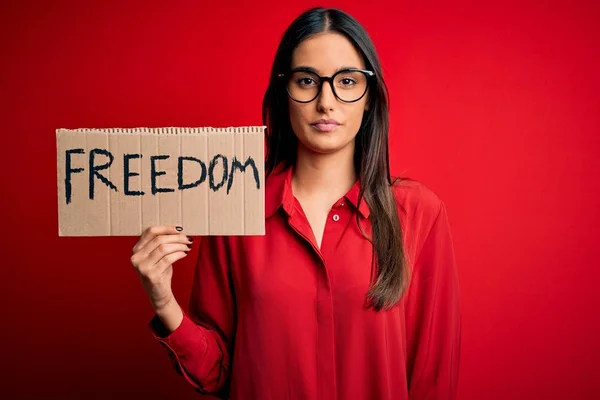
{"points": [[274, 317]]}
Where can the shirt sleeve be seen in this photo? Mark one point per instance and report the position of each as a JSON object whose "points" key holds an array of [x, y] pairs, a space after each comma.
{"points": [[200, 347], [434, 317]]}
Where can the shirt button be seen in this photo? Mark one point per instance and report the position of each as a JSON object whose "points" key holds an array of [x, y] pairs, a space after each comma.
{"points": [[336, 217]]}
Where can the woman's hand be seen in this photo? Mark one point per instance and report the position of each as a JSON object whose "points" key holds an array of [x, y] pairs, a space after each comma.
{"points": [[153, 257]]}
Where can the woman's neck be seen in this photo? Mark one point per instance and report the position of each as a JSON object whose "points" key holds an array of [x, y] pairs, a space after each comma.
{"points": [[326, 177]]}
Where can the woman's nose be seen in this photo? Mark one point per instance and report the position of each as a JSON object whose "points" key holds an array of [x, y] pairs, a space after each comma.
{"points": [[326, 98]]}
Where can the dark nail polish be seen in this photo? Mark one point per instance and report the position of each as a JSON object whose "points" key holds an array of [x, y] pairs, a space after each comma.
{"points": [[191, 239], [189, 246], [179, 228]]}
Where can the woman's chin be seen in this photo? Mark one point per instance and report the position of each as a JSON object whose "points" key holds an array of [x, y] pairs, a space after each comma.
{"points": [[324, 145]]}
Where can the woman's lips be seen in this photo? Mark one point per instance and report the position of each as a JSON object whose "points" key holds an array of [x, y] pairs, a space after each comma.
{"points": [[325, 127]]}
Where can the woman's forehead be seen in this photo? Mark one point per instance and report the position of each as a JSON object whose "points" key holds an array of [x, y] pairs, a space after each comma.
{"points": [[326, 53]]}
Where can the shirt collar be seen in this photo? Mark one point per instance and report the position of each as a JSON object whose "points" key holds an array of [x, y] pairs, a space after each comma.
{"points": [[352, 197], [278, 193]]}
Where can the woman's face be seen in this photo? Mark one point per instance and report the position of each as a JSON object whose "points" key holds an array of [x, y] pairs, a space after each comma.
{"points": [[326, 53]]}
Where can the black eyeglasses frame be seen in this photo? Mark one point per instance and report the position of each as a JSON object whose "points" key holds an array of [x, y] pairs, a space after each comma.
{"points": [[322, 79]]}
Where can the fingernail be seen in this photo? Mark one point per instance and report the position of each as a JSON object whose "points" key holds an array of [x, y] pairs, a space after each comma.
{"points": [[179, 228], [190, 239], [189, 246]]}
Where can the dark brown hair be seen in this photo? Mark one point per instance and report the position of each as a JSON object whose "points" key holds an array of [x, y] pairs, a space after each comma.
{"points": [[371, 156]]}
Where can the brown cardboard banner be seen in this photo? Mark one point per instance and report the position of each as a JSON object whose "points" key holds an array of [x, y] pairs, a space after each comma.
{"points": [[118, 182]]}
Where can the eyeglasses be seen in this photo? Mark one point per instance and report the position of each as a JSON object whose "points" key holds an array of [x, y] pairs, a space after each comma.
{"points": [[348, 85]]}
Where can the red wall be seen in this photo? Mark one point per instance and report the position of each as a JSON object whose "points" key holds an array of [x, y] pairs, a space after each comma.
{"points": [[495, 106]]}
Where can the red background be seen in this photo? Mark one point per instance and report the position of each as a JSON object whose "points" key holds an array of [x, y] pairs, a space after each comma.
{"points": [[494, 106]]}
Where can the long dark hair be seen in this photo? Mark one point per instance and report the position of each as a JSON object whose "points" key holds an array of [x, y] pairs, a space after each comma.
{"points": [[371, 156]]}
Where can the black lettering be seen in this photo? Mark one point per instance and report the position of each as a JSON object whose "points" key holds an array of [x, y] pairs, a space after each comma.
{"points": [[242, 167], [127, 174], [95, 168], [154, 173], [183, 186], [211, 169], [69, 171]]}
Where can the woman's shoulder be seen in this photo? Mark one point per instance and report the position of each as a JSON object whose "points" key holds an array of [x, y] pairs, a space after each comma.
{"points": [[415, 197], [418, 208]]}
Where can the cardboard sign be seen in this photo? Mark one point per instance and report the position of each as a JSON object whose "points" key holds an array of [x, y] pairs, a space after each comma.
{"points": [[118, 182]]}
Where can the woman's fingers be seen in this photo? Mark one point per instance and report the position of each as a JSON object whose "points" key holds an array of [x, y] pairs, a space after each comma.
{"points": [[164, 251], [164, 240], [169, 259], [153, 246], [155, 231]]}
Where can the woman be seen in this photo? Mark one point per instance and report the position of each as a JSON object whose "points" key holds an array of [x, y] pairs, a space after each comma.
{"points": [[353, 292]]}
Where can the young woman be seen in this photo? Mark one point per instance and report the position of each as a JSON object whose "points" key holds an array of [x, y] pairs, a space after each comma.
{"points": [[353, 291]]}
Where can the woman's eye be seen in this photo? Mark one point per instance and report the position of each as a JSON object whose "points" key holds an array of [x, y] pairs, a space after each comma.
{"points": [[347, 81], [306, 81]]}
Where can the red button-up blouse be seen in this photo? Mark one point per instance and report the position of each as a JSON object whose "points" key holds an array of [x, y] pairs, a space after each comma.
{"points": [[274, 317]]}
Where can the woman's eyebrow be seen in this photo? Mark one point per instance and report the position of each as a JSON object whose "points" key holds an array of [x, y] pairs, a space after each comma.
{"points": [[311, 69], [305, 68], [346, 67]]}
